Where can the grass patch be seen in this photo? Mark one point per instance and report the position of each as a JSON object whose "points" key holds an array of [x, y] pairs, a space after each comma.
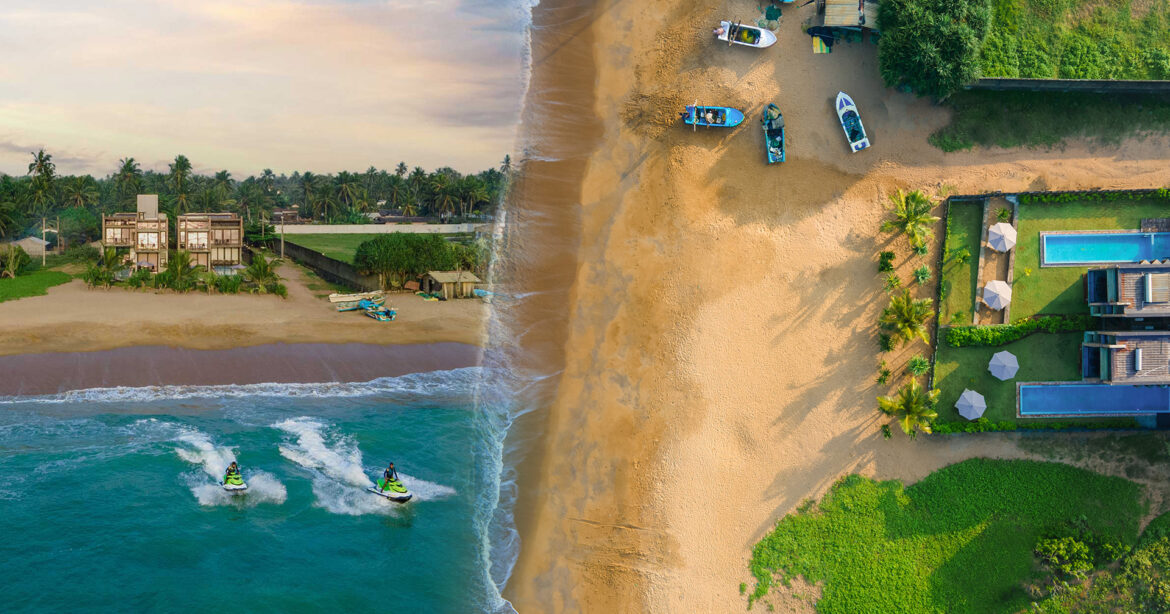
{"points": [[1059, 290], [1039, 119], [337, 246], [959, 541], [964, 230], [36, 283], [1078, 39], [1043, 357]]}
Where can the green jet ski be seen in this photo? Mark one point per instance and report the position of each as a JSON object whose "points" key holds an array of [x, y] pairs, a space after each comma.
{"points": [[394, 490], [234, 483]]}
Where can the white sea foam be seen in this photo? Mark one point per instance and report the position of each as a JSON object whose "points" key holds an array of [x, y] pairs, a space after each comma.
{"points": [[198, 449]]}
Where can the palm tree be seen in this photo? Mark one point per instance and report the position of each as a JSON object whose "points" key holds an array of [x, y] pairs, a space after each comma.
{"points": [[183, 274], [267, 179], [347, 187], [400, 170], [42, 166], [410, 209], [261, 273], [417, 181], [251, 196], [180, 171], [445, 199], [913, 406], [911, 216], [80, 191], [128, 179], [906, 317], [222, 184], [8, 217], [308, 185], [395, 191]]}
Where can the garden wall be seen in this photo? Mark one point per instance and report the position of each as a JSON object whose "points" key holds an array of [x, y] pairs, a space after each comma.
{"points": [[332, 270], [1098, 86]]}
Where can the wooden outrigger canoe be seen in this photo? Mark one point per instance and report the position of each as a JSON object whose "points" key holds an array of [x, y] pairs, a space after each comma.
{"points": [[719, 117], [350, 302], [773, 123]]}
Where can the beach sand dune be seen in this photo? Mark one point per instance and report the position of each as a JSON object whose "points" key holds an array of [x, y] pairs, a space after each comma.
{"points": [[721, 352]]}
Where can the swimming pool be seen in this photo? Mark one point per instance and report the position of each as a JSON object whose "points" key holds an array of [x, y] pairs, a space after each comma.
{"points": [[1083, 248], [1081, 399]]}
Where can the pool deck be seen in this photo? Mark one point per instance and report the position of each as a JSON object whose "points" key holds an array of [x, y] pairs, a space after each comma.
{"points": [[993, 264]]}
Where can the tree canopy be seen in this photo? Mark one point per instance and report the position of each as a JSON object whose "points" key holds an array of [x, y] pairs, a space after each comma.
{"points": [[399, 256], [932, 46]]}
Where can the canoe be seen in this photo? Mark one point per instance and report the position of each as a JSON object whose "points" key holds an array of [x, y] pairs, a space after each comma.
{"points": [[718, 117], [773, 123], [734, 33], [350, 302], [851, 123]]}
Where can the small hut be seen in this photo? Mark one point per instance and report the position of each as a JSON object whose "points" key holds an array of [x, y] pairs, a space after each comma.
{"points": [[450, 284], [33, 246]]}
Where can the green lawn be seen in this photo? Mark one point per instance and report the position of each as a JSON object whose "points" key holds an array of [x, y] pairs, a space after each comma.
{"points": [[1059, 290], [1043, 357], [964, 230], [1078, 39], [337, 246], [958, 541], [36, 283]]}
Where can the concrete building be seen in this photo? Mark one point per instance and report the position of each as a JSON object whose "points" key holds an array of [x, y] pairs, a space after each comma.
{"points": [[1129, 357], [140, 236], [214, 240], [1139, 290]]}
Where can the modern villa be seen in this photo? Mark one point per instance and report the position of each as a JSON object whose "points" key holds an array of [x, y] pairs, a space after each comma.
{"points": [[1130, 357], [1139, 291], [214, 240], [143, 232]]}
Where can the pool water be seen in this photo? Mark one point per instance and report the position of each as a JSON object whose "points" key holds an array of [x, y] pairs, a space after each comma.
{"points": [[1104, 248], [1079, 399]]}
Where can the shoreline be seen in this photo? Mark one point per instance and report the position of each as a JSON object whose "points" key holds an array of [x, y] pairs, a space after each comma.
{"points": [[303, 363]]}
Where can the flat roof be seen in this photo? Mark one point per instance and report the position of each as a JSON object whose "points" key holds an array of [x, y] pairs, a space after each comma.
{"points": [[847, 13], [451, 277]]}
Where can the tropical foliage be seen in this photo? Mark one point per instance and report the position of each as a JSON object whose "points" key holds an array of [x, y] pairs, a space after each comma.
{"points": [[931, 47], [13, 260], [912, 216], [1000, 334], [397, 257], [906, 317], [913, 406]]}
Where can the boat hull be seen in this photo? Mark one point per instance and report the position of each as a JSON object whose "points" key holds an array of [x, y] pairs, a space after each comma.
{"points": [[728, 117], [763, 38], [774, 141], [851, 123]]}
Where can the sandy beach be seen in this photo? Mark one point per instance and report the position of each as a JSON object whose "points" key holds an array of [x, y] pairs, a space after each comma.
{"points": [[720, 355], [74, 318]]}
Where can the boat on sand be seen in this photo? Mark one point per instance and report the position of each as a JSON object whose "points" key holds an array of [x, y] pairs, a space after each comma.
{"points": [[719, 117], [351, 302], [773, 122], [851, 122], [735, 33]]}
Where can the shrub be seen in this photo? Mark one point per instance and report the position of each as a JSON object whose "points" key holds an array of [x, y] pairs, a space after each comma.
{"points": [[13, 261], [892, 282], [885, 342], [138, 278], [960, 255], [922, 274], [1000, 334], [277, 288], [932, 47], [82, 253], [884, 374], [918, 365], [886, 262], [1003, 214], [983, 425], [921, 250], [1066, 556], [228, 284]]}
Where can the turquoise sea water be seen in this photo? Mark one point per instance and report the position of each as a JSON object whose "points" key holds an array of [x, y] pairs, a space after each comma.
{"points": [[108, 500]]}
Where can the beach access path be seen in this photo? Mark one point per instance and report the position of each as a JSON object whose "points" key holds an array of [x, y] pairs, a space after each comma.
{"points": [[74, 318], [721, 352]]}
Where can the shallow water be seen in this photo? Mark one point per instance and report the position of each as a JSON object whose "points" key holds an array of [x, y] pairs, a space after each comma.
{"points": [[109, 500]]}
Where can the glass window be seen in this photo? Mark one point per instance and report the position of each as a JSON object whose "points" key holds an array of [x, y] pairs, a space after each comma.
{"points": [[148, 240]]}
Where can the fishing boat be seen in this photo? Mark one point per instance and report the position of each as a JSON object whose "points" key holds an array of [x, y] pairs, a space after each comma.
{"points": [[718, 117], [735, 33], [351, 302], [773, 122], [378, 312], [851, 122]]}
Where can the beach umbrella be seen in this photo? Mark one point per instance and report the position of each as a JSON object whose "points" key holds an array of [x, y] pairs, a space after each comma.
{"points": [[997, 294], [1001, 237], [971, 405], [1004, 365]]}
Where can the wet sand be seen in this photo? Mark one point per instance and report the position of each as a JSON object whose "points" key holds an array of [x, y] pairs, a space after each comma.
{"points": [[139, 366], [720, 351]]}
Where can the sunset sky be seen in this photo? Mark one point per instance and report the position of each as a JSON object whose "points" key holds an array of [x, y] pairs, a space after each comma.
{"points": [[242, 85]]}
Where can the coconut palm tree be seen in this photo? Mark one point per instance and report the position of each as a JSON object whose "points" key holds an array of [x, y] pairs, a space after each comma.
{"points": [[251, 196], [347, 188], [913, 406], [128, 179], [80, 191], [911, 216], [182, 273], [222, 183], [400, 170], [261, 273], [267, 180], [42, 166], [906, 317], [308, 184], [9, 217]]}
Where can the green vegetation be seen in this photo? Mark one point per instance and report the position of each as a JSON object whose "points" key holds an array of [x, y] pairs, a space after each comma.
{"points": [[36, 283], [959, 275], [931, 46], [912, 216], [1078, 39], [906, 317], [1040, 119], [918, 365], [1043, 357], [1058, 290], [913, 406], [961, 540], [336, 246], [399, 257], [886, 262], [922, 275], [1000, 334]]}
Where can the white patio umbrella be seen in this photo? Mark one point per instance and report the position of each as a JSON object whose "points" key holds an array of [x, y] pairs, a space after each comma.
{"points": [[997, 294], [971, 405], [1004, 365], [1001, 237]]}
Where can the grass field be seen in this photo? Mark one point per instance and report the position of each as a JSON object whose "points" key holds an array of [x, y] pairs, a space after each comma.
{"points": [[1058, 290], [958, 541], [337, 246], [36, 283], [964, 230], [1037, 119], [1043, 357]]}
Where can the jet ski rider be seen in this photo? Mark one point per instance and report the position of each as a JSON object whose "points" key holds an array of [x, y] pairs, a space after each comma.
{"points": [[389, 475], [232, 470]]}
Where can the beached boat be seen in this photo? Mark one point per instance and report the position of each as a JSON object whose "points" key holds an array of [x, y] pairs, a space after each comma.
{"points": [[851, 122], [773, 122], [735, 33], [719, 117], [377, 311], [351, 302]]}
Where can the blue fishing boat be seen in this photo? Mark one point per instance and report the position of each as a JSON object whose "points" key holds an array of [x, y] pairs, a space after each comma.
{"points": [[851, 122], [718, 117], [773, 122], [377, 311]]}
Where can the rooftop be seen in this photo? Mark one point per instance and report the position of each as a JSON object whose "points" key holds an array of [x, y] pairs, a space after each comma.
{"points": [[451, 277]]}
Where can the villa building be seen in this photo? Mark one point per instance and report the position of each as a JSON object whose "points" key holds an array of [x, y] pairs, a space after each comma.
{"points": [[214, 240], [1126, 357], [143, 234], [1139, 290]]}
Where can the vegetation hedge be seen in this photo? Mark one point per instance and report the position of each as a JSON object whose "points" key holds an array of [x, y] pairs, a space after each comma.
{"points": [[983, 425], [1001, 334], [1094, 196]]}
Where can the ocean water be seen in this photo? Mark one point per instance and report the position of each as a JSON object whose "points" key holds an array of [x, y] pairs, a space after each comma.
{"points": [[109, 500]]}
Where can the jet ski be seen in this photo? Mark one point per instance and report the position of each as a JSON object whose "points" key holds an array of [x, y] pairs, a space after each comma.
{"points": [[234, 483], [394, 490]]}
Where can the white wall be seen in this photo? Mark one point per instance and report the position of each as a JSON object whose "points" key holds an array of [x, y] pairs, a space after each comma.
{"points": [[364, 229]]}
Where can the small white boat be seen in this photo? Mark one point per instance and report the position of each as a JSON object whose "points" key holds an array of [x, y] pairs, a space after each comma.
{"points": [[851, 123], [734, 33], [350, 302]]}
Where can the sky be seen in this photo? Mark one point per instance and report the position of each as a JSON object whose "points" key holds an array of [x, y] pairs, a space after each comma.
{"points": [[243, 85]]}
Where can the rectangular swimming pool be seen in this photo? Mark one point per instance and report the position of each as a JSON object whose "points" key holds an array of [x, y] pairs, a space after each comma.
{"points": [[1085, 248], [1082, 399]]}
